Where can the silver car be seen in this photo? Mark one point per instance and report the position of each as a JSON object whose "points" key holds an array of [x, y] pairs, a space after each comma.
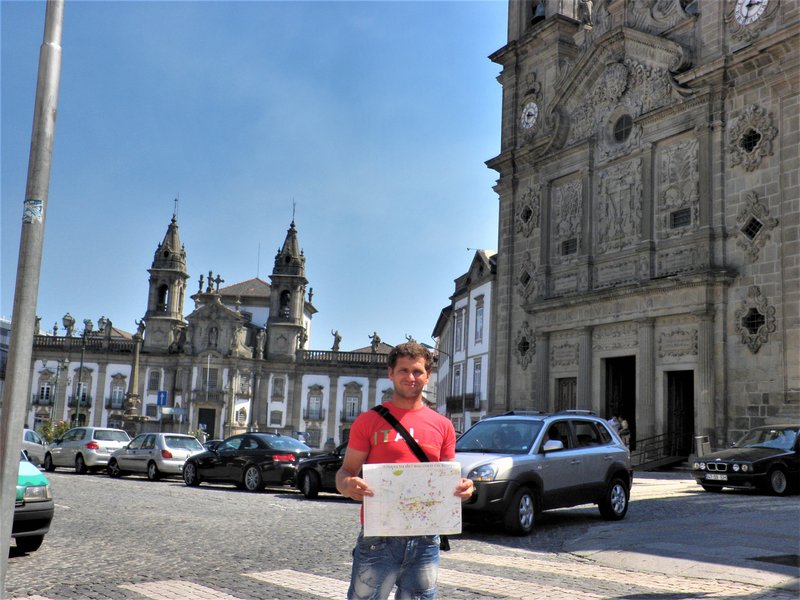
{"points": [[523, 464], [84, 448], [33, 446], [155, 454]]}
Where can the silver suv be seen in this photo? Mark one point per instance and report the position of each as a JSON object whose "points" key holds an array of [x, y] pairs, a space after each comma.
{"points": [[84, 448], [525, 463]]}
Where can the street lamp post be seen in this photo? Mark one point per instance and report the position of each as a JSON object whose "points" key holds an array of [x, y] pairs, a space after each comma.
{"points": [[87, 329]]}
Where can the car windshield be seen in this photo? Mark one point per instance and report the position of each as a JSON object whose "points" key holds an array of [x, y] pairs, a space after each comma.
{"points": [[179, 441], [779, 438], [500, 436], [111, 435], [284, 442]]}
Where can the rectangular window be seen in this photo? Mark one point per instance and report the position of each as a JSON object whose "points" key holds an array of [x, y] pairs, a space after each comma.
{"points": [[44, 392], [680, 218], [476, 380], [314, 407], [459, 330], [569, 247], [457, 380], [151, 411], [209, 379], [479, 322], [82, 391], [566, 393], [351, 407], [154, 381]]}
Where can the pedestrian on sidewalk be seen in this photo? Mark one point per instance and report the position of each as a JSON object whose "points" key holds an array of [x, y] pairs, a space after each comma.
{"points": [[410, 562]]}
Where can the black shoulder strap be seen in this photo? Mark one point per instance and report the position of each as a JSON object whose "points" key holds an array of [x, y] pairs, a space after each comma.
{"points": [[412, 443]]}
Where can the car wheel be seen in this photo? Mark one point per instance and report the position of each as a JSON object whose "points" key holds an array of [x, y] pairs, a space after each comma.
{"points": [[48, 463], [614, 504], [80, 465], [152, 472], [778, 482], [29, 543], [190, 476], [712, 488], [252, 479], [309, 484], [521, 513], [113, 469]]}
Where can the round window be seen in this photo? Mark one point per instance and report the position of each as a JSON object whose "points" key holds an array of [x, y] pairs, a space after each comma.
{"points": [[623, 128]]}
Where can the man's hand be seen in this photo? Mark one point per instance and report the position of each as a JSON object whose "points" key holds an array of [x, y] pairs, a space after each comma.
{"points": [[465, 489], [354, 487]]}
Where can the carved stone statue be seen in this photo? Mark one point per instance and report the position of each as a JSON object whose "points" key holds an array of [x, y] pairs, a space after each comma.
{"points": [[261, 335], [69, 324], [200, 289], [210, 283], [376, 341], [585, 8], [302, 339], [337, 339], [140, 328]]}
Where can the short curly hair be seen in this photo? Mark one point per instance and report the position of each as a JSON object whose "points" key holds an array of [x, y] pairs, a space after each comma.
{"points": [[411, 350]]}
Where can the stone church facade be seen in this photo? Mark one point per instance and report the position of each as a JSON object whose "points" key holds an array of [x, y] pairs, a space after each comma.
{"points": [[239, 361], [649, 232]]}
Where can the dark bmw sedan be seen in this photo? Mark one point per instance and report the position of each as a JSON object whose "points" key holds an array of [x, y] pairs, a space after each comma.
{"points": [[766, 458], [249, 460], [318, 473]]}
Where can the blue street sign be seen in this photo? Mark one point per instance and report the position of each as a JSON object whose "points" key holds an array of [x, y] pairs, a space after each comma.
{"points": [[161, 399]]}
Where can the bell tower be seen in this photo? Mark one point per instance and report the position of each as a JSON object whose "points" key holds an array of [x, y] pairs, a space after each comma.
{"points": [[287, 298], [168, 276]]}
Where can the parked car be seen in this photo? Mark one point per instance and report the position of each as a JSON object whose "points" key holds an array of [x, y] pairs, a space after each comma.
{"points": [[33, 446], [33, 509], [249, 460], [211, 444], [765, 458], [84, 448], [155, 454], [318, 473], [526, 463]]}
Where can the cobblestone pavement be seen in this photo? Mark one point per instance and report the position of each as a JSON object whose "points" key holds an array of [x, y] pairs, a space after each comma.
{"points": [[131, 538]]}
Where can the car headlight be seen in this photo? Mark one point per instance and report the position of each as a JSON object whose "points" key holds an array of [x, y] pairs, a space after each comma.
{"points": [[701, 466], [37, 493], [697, 466], [483, 473], [736, 468], [746, 468]]}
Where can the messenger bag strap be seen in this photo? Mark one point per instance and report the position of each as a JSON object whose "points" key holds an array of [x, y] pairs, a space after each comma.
{"points": [[412, 443]]}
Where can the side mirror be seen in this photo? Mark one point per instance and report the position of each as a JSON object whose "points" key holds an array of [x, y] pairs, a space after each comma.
{"points": [[552, 446]]}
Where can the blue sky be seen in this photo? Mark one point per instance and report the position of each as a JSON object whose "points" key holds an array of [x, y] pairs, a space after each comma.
{"points": [[374, 118]]}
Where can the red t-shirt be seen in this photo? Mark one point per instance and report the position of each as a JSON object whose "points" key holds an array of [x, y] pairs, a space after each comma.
{"points": [[433, 432]]}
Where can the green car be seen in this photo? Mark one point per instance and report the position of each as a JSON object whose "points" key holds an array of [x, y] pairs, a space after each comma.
{"points": [[33, 510]]}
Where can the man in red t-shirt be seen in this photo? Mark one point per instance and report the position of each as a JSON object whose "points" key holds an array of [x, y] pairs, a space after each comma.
{"points": [[410, 562]]}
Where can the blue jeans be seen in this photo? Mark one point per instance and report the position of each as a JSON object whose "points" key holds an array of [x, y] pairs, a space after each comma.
{"points": [[381, 562]]}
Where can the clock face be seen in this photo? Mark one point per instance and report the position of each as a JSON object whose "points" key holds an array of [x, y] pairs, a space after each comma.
{"points": [[748, 11], [530, 113]]}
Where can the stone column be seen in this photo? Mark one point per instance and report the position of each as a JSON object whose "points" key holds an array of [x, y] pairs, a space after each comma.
{"points": [[259, 419], [646, 380], [585, 369], [333, 412], [704, 394], [542, 400]]}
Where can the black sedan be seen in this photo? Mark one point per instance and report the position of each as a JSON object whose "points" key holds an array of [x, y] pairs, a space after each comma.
{"points": [[249, 460], [318, 473], [766, 458]]}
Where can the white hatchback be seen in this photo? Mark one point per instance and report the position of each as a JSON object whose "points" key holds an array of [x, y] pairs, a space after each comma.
{"points": [[155, 454], [85, 448]]}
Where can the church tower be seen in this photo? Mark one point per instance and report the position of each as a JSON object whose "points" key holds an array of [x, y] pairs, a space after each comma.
{"points": [[287, 298], [164, 316]]}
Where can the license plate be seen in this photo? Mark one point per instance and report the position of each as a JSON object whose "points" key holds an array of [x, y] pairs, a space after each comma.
{"points": [[716, 476]]}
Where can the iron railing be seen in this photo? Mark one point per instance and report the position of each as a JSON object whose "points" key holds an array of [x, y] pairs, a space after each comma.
{"points": [[660, 450]]}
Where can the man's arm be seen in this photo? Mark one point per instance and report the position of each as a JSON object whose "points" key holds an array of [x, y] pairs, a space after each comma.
{"points": [[347, 481]]}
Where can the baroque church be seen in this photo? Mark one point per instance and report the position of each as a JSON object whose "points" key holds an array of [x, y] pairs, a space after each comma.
{"points": [[238, 362], [648, 257]]}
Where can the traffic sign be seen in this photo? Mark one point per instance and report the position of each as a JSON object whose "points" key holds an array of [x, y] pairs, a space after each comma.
{"points": [[161, 399]]}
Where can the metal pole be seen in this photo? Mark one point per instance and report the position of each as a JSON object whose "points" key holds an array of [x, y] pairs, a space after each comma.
{"points": [[29, 266]]}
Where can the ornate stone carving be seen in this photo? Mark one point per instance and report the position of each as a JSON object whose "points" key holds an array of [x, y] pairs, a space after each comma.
{"points": [[656, 16], [755, 319], [615, 337], [528, 210], [678, 190], [564, 354], [678, 342], [526, 282], [566, 215], [754, 224], [750, 137], [651, 87], [619, 206], [524, 345]]}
